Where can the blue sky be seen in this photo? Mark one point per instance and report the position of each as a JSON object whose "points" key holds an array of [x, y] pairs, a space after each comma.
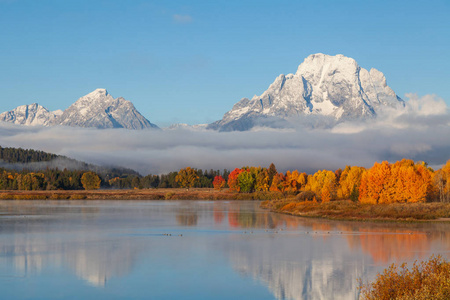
{"points": [[190, 61]]}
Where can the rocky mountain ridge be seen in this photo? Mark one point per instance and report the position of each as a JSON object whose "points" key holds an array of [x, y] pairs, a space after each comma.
{"points": [[97, 109], [325, 90], [31, 115]]}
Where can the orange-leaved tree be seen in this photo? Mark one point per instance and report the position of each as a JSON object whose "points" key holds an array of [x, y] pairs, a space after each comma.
{"points": [[403, 181], [277, 183], [219, 182], [413, 181], [375, 184], [233, 182]]}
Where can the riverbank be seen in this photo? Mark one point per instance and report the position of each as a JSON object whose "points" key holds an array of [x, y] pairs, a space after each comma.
{"points": [[273, 201], [138, 194], [348, 210]]}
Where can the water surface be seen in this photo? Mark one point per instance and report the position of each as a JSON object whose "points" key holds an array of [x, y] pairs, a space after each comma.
{"points": [[195, 250]]}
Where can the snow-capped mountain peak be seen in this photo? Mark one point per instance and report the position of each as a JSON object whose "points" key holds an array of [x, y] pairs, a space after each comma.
{"points": [[334, 88], [99, 109], [58, 112], [31, 115], [96, 109]]}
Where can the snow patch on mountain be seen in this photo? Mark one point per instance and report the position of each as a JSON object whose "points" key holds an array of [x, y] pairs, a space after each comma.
{"points": [[97, 109], [30, 115], [334, 88]]}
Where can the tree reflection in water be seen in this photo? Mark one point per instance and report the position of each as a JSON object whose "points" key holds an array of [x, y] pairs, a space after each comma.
{"points": [[295, 258]]}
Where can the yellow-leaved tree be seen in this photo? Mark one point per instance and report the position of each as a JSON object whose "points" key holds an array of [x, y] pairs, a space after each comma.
{"points": [[323, 183], [349, 183], [187, 177], [262, 181], [441, 181], [291, 184], [90, 181]]}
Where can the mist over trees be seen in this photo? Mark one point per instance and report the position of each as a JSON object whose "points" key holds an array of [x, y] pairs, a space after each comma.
{"points": [[399, 182], [19, 159]]}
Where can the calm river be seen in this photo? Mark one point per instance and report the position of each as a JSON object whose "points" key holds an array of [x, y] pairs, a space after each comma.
{"points": [[194, 250]]}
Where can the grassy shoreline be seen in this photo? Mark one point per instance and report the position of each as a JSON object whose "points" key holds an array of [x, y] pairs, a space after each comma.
{"points": [[273, 201], [355, 211], [138, 194]]}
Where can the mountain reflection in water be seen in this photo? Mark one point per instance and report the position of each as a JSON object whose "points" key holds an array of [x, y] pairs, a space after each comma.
{"points": [[105, 243]]}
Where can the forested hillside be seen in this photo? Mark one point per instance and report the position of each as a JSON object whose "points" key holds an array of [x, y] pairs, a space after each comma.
{"points": [[19, 155], [27, 169], [19, 159]]}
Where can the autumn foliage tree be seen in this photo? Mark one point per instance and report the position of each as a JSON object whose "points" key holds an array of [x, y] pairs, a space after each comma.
{"points": [[187, 177], [219, 183], [401, 182], [277, 183], [262, 181], [244, 179], [446, 172], [90, 181], [290, 182], [323, 183], [375, 184], [325, 193], [441, 182], [294, 181], [413, 183], [349, 182], [233, 182]]}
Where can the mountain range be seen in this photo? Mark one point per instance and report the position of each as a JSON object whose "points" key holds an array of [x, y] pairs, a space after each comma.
{"points": [[325, 90], [97, 109]]}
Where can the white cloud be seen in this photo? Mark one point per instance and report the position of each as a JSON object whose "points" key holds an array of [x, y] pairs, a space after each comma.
{"points": [[417, 133], [426, 105], [418, 113]]}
